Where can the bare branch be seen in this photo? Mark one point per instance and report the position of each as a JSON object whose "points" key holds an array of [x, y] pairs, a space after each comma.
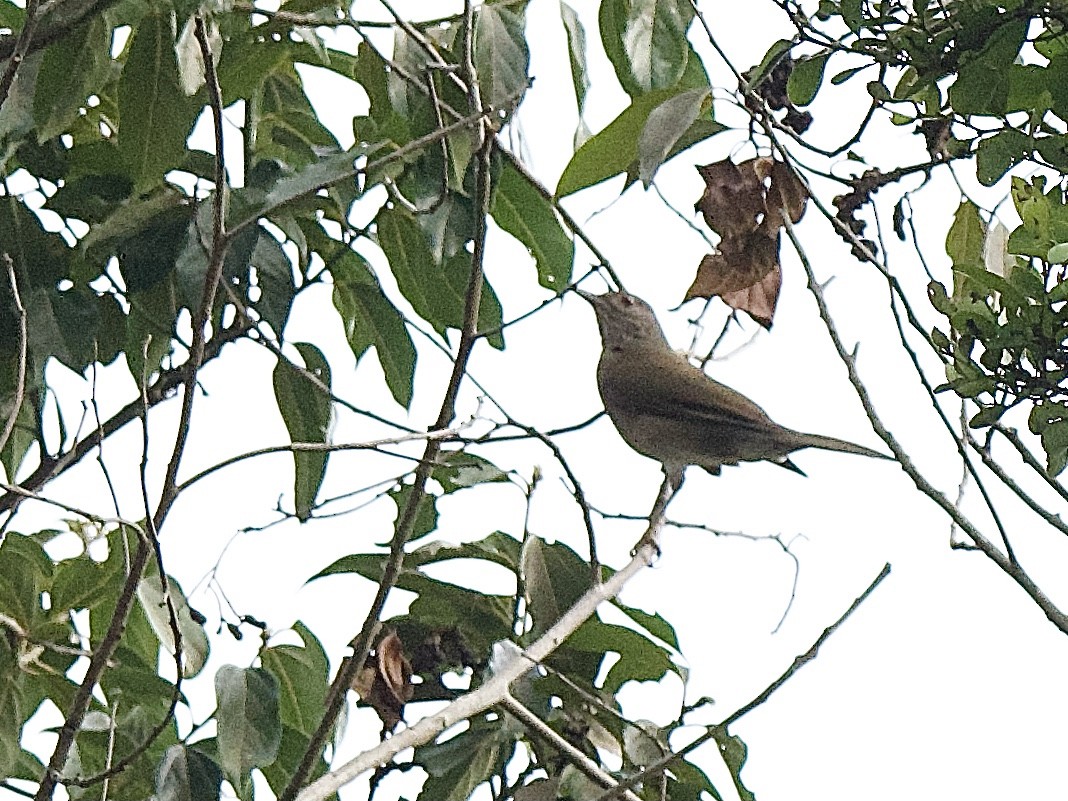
{"points": [[491, 692], [219, 245], [406, 519], [20, 367], [800, 661], [22, 47]]}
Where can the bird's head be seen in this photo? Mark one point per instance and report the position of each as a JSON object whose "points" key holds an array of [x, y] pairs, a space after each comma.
{"points": [[623, 319]]}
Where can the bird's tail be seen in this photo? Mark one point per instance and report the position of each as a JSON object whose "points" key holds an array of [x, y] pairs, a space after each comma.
{"points": [[832, 444]]}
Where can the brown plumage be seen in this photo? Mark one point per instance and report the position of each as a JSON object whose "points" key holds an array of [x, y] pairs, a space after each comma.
{"points": [[669, 410]]}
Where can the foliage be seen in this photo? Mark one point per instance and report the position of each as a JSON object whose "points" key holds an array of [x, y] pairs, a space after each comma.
{"points": [[127, 234]]}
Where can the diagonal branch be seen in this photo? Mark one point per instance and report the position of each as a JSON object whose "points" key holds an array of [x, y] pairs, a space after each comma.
{"points": [[20, 375], [717, 731], [493, 691], [163, 388], [219, 244], [361, 644]]}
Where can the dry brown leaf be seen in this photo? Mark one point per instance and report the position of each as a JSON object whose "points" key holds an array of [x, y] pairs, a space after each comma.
{"points": [[733, 200], [384, 682], [745, 204], [735, 268], [758, 300], [788, 192]]}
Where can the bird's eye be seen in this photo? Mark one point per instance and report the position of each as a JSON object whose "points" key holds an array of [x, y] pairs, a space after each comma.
{"points": [[626, 300]]}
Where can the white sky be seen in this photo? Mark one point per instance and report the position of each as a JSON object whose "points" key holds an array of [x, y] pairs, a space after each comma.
{"points": [[948, 681]]}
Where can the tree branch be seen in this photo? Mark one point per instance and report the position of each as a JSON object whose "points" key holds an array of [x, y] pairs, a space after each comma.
{"points": [[361, 644], [491, 692]]}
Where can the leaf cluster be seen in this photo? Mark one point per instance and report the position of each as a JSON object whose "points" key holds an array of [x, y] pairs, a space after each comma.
{"points": [[1007, 317]]}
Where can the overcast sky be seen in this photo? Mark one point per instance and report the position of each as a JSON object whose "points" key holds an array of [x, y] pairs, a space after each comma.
{"points": [[947, 683]]}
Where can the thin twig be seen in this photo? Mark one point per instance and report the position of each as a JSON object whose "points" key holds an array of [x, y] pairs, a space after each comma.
{"points": [[162, 389], [490, 692], [22, 47], [541, 730], [20, 367], [1008, 565], [800, 661], [321, 447], [212, 277], [361, 644]]}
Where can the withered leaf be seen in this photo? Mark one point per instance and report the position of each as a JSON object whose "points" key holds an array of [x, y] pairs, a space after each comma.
{"points": [[737, 267], [758, 300], [733, 200], [787, 192], [746, 204], [384, 681]]}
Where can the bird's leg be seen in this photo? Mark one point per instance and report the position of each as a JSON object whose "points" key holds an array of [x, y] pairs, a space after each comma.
{"points": [[672, 481]]}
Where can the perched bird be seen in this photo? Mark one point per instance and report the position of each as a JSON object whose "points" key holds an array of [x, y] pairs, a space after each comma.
{"points": [[669, 410]]}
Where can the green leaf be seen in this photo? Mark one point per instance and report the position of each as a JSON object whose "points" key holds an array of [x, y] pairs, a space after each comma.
{"points": [[22, 437], [498, 548], [90, 198], [878, 91], [16, 114], [576, 51], [996, 155], [149, 327], [306, 411], [646, 42], [150, 255], [274, 277], [457, 273], [983, 82], [771, 58], [806, 78], [303, 677], [426, 513], [666, 125], [457, 766], [482, 618], [853, 14], [370, 319], [690, 782], [25, 570], [987, 416], [524, 213], [555, 577], [734, 753], [13, 707], [71, 70], [501, 54], [185, 774], [290, 755], [460, 469], [841, 77], [75, 325], [128, 218], [245, 64], [612, 150], [310, 179], [195, 645], [249, 729], [412, 264], [967, 235], [652, 623], [155, 116], [640, 659], [82, 583], [1050, 422]]}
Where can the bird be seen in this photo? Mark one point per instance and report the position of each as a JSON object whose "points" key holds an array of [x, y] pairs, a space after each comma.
{"points": [[671, 411]]}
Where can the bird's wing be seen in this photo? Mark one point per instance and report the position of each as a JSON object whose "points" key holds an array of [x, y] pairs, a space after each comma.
{"points": [[678, 389]]}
